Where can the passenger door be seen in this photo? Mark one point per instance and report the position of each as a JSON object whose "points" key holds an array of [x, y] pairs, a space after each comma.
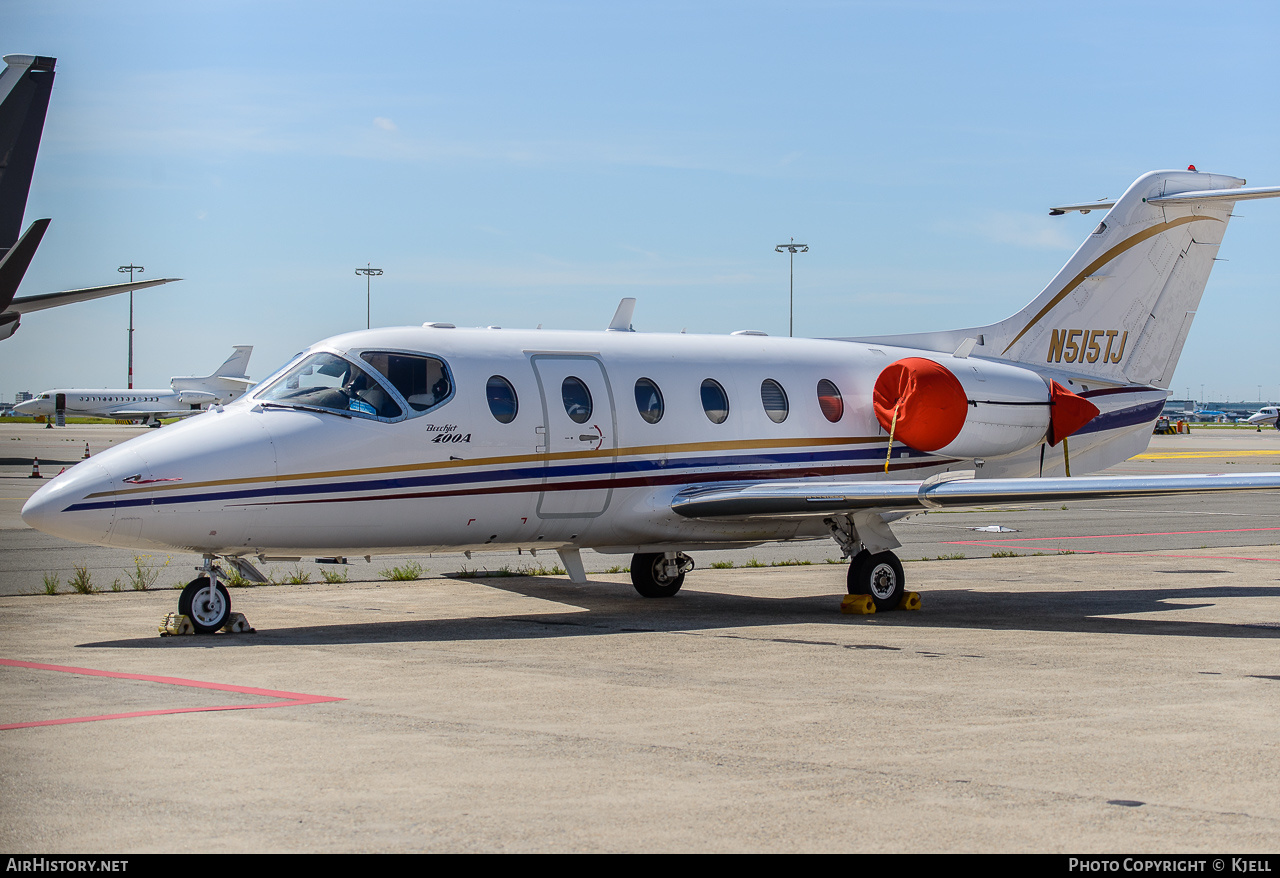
{"points": [[578, 435]]}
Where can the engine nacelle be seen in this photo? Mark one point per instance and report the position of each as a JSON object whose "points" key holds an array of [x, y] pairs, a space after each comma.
{"points": [[196, 397], [976, 408]]}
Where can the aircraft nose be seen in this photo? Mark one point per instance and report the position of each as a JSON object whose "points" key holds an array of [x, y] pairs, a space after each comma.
{"points": [[58, 508]]}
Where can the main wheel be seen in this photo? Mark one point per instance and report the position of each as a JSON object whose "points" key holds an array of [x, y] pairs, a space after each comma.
{"points": [[208, 609], [650, 576], [879, 575]]}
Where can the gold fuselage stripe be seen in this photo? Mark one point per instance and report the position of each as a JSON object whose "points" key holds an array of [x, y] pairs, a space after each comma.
{"points": [[634, 451]]}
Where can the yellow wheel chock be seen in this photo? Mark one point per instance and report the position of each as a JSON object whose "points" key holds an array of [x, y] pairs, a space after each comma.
{"points": [[863, 605], [176, 623]]}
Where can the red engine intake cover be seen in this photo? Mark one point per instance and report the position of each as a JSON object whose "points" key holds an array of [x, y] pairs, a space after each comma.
{"points": [[1068, 412], [929, 402]]}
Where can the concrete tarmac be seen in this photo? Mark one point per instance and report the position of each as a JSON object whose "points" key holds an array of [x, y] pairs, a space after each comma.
{"points": [[1122, 698]]}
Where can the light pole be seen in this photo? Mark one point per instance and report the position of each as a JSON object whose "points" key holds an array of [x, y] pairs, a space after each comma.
{"points": [[131, 268], [793, 248], [368, 273]]}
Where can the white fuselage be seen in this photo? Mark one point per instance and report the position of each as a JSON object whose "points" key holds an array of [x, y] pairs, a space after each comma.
{"points": [[534, 439], [1265, 415], [103, 403]]}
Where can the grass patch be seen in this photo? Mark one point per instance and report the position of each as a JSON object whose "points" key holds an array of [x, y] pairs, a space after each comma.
{"points": [[404, 573], [721, 565], [1006, 554], [298, 576], [755, 563], [233, 578], [334, 576], [793, 562], [618, 568], [955, 556], [51, 583], [81, 580]]}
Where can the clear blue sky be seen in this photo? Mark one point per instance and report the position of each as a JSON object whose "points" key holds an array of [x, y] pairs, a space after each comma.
{"points": [[518, 163]]}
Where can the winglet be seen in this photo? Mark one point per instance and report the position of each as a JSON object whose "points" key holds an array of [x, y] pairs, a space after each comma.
{"points": [[622, 317], [14, 264]]}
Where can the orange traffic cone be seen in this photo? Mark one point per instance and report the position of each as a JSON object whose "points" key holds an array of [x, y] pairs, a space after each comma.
{"points": [[35, 469], [86, 451]]}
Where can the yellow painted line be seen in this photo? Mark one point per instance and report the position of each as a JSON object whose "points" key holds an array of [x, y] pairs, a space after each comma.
{"points": [[1174, 455]]}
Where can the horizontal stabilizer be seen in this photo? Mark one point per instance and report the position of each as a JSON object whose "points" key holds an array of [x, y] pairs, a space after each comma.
{"points": [[802, 499]]}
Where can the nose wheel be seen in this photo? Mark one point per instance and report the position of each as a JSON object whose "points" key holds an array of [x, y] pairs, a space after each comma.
{"points": [[206, 603], [879, 575]]}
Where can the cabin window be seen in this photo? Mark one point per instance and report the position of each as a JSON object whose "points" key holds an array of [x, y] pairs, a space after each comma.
{"points": [[422, 381], [577, 400], [715, 402], [774, 399], [502, 399], [327, 381], [830, 401], [649, 400]]}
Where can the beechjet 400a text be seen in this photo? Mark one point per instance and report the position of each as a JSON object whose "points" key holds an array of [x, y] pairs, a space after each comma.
{"points": [[435, 439]]}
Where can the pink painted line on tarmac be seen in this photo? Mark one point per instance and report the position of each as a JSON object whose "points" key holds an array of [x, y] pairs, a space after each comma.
{"points": [[284, 699], [1167, 533]]}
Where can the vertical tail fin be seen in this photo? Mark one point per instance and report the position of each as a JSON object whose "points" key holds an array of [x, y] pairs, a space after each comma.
{"points": [[1120, 309], [25, 86]]}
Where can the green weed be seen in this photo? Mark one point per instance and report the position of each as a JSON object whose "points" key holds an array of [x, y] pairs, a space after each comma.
{"points": [[142, 577], [81, 580], [755, 563], [403, 573], [298, 576], [955, 556], [722, 565], [1006, 554], [332, 576], [51, 583]]}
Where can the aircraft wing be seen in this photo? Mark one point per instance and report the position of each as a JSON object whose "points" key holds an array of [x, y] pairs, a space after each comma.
{"points": [[27, 304], [792, 499]]}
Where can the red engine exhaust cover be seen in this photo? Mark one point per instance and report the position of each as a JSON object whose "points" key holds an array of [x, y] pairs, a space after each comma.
{"points": [[928, 400]]}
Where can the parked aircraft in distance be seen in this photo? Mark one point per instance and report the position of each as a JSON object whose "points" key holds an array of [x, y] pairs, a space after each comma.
{"points": [[1265, 415], [183, 396], [434, 438], [25, 86]]}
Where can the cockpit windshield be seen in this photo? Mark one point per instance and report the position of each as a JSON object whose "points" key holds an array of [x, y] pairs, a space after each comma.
{"points": [[327, 381]]}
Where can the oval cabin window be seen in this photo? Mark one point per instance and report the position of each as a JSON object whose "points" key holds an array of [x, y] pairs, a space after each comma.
{"points": [[502, 399], [829, 401], [649, 400], [715, 402], [577, 399], [774, 399]]}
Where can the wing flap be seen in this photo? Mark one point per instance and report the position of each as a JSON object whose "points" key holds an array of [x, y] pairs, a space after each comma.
{"points": [[789, 499]]}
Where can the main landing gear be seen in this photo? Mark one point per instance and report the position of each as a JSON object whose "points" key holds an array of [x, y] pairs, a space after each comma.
{"points": [[879, 575], [659, 575]]}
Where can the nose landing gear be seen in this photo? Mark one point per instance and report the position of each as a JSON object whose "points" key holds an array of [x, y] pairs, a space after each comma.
{"points": [[205, 600]]}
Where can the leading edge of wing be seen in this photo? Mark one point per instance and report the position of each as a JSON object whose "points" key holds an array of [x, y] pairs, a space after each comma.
{"points": [[27, 304], [791, 498]]}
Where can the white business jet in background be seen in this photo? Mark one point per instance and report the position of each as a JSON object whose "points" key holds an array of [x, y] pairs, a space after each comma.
{"points": [[433, 438], [183, 396], [1263, 416]]}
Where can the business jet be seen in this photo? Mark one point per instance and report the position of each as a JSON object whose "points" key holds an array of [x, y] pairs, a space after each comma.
{"points": [[434, 438], [182, 398], [26, 84], [1265, 415]]}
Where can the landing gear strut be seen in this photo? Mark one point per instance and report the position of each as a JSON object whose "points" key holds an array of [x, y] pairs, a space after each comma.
{"points": [[205, 601], [659, 575], [879, 575]]}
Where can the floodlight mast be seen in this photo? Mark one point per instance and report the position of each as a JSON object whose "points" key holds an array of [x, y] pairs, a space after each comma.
{"points": [[131, 268], [793, 248], [368, 273]]}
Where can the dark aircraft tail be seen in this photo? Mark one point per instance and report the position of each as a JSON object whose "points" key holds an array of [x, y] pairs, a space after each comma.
{"points": [[25, 86]]}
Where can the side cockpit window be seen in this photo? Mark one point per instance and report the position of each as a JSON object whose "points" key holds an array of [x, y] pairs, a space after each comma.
{"points": [[327, 381], [423, 381]]}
